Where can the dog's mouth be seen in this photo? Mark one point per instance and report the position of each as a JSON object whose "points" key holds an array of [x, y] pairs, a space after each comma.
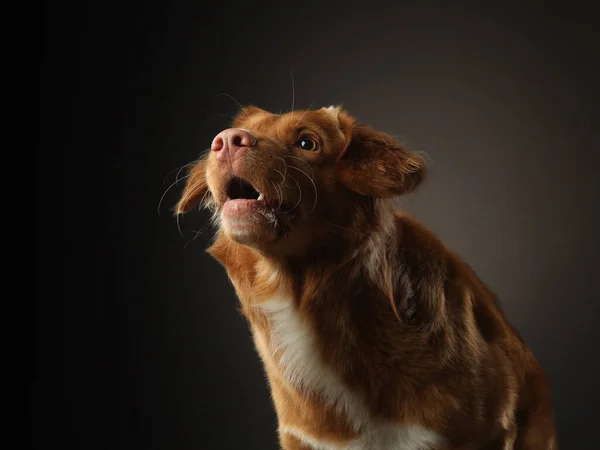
{"points": [[242, 191], [247, 209]]}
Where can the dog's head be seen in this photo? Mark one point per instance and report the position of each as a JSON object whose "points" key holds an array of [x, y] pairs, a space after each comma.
{"points": [[285, 183]]}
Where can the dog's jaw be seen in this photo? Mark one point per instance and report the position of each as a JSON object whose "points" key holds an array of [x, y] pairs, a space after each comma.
{"points": [[245, 221]]}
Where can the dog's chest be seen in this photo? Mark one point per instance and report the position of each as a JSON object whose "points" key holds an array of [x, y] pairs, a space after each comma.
{"points": [[291, 348]]}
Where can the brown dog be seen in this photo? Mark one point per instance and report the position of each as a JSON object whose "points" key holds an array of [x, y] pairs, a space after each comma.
{"points": [[373, 334]]}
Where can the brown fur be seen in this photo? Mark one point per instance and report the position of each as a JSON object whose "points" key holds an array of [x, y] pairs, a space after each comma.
{"points": [[399, 318]]}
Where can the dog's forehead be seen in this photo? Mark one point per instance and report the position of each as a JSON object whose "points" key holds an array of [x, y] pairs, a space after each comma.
{"points": [[323, 120]]}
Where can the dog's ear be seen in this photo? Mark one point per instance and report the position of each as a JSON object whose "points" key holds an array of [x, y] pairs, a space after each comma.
{"points": [[375, 164], [195, 190]]}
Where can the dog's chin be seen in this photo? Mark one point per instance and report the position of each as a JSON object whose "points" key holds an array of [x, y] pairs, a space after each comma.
{"points": [[250, 222]]}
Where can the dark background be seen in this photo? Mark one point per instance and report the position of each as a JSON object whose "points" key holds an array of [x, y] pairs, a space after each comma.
{"points": [[138, 341]]}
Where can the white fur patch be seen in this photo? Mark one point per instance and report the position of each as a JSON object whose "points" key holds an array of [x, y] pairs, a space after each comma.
{"points": [[375, 252], [293, 341], [333, 110], [377, 437]]}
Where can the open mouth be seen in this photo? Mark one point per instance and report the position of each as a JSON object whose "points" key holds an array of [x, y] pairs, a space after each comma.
{"points": [[247, 209], [240, 189]]}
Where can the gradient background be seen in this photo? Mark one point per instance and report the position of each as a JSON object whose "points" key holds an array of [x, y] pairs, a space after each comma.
{"points": [[138, 341]]}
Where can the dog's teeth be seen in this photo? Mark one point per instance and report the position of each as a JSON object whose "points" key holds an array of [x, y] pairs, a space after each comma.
{"points": [[261, 196]]}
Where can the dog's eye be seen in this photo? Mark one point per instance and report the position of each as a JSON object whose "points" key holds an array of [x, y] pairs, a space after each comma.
{"points": [[307, 144]]}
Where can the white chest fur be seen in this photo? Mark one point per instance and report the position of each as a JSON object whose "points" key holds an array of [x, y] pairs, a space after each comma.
{"points": [[293, 347]]}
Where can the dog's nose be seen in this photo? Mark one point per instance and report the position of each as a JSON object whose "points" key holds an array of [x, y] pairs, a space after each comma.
{"points": [[230, 144]]}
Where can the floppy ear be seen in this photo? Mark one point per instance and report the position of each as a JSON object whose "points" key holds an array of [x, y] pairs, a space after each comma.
{"points": [[195, 189], [375, 164]]}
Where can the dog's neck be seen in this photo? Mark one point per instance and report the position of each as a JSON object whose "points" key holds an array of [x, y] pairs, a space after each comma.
{"points": [[365, 247]]}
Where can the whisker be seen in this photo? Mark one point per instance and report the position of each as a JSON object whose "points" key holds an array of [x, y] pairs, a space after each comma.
{"points": [[304, 113], [279, 194], [179, 225], [343, 228], [299, 159], [314, 187], [198, 233], [285, 166], [224, 115], [203, 200], [179, 169], [280, 173], [167, 190], [300, 195], [231, 97], [177, 179], [280, 197], [179, 172], [361, 215], [191, 189], [293, 90]]}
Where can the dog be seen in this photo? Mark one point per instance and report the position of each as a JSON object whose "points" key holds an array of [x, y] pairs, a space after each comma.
{"points": [[373, 334]]}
